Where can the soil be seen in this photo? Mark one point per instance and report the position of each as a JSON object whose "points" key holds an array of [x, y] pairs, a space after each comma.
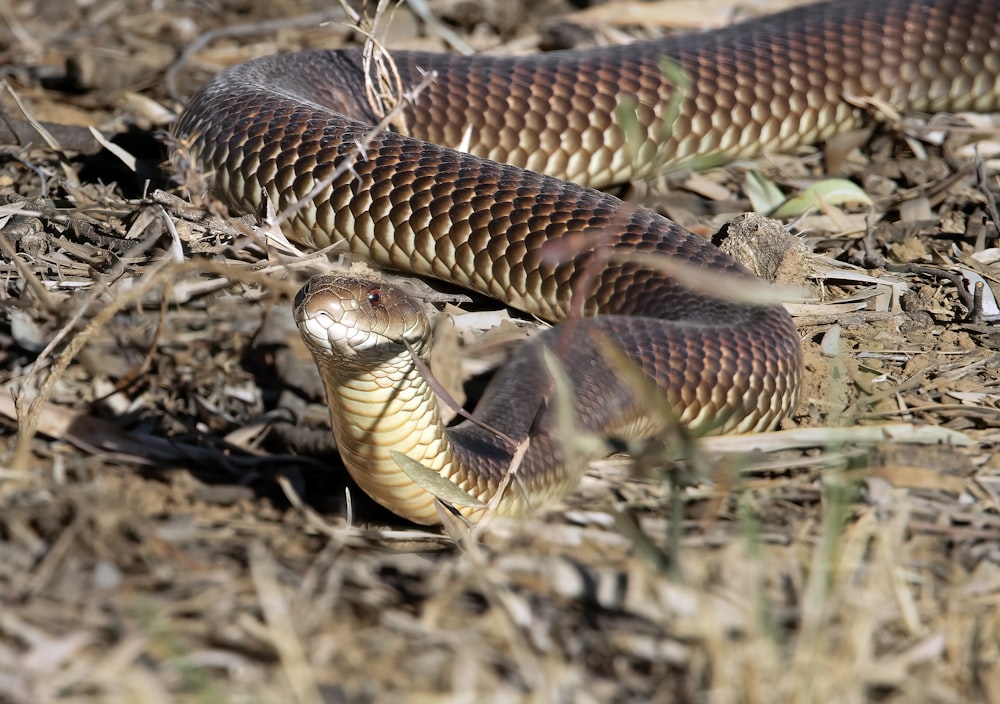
{"points": [[175, 523]]}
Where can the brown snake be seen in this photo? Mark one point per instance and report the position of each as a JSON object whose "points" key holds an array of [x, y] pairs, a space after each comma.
{"points": [[272, 129]]}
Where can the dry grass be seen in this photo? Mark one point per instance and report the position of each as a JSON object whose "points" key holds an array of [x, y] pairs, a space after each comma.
{"points": [[164, 535]]}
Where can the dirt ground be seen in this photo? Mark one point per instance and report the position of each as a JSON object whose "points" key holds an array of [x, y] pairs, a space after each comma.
{"points": [[175, 524]]}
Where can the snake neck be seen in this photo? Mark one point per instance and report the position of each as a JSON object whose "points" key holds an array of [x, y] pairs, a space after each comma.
{"points": [[390, 408]]}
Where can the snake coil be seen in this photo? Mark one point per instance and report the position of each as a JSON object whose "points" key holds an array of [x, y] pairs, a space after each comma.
{"points": [[503, 218]]}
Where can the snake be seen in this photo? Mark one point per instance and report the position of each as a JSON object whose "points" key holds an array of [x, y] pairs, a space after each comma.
{"points": [[486, 176]]}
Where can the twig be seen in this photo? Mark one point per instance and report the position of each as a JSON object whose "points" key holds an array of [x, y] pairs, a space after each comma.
{"points": [[163, 272], [421, 10], [454, 405], [28, 419], [38, 126], [294, 207], [31, 281], [983, 186], [273, 604], [241, 30]]}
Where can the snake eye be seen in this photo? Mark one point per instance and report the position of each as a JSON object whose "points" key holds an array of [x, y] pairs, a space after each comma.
{"points": [[374, 297]]}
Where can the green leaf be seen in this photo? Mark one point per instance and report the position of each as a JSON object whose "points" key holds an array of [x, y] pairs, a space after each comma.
{"points": [[832, 191], [441, 488], [578, 445], [628, 120], [681, 80], [764, 194]]}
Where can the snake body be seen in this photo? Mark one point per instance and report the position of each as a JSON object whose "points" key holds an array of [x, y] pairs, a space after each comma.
{"points": [[504, 217]]}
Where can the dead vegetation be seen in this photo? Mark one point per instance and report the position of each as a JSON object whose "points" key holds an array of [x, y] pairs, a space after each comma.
{"points": [[174, 524]]}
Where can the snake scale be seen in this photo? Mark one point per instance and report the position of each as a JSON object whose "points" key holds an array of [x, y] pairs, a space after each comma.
{"points": [[486, 180]]}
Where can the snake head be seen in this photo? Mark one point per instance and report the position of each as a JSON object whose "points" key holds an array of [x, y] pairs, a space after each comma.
{"points": [[348, 321]]}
